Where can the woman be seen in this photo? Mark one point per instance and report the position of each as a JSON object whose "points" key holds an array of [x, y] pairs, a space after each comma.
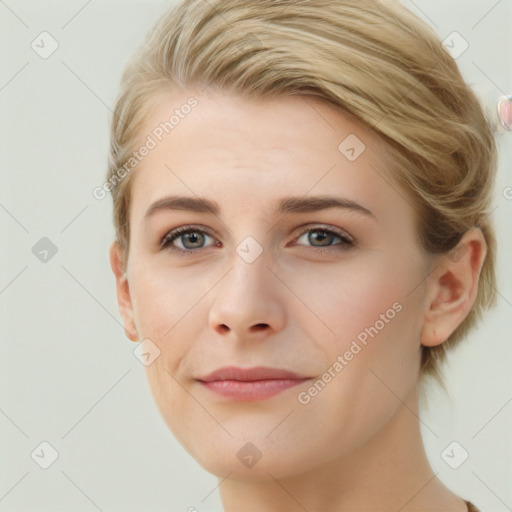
{"points": [[301, 201]]}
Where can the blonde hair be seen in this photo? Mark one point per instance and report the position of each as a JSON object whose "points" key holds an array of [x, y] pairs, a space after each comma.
{"points": [[375, 60]]}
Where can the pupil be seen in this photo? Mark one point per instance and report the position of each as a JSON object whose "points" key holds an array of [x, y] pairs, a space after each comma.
{"points": [[323, 234], [192, 236]]}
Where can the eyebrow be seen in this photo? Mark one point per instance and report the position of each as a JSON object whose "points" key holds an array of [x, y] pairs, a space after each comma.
{"points": [[287, 205]]}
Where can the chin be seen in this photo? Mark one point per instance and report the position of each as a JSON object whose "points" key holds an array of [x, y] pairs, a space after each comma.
{"points": [[244, 460], [260, 471]]}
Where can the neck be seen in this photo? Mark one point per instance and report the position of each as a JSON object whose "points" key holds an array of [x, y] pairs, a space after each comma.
{"points": [[390, 472]]}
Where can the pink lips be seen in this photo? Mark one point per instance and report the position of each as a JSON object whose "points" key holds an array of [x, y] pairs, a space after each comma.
{"points": [[247, 384]]}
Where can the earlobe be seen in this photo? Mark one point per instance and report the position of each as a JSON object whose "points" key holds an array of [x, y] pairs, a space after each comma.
{"points": [[123, 291], [452, 288]]}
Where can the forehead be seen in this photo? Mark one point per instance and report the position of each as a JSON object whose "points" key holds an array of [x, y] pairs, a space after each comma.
{"points": [[250, 152]]}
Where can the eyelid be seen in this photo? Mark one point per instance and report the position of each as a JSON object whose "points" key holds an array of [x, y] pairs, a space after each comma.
{"points": [[180, 230], [325, 227]]}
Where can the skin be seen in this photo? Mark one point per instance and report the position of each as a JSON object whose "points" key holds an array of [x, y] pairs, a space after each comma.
{"points": [[357, 444]]}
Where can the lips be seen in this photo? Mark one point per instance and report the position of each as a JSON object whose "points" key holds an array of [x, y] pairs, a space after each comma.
{"points": [[246, 384], [250, 374]]}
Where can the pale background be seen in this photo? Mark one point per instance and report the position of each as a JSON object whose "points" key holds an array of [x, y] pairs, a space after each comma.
{"points": [[67, 373]]}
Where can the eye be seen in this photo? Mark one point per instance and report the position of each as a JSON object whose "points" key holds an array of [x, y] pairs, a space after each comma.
{"points": [[325, 236], [190, 238]]}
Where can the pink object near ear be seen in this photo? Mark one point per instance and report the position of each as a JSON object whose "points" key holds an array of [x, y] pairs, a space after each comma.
{"points": [[504, 109]]}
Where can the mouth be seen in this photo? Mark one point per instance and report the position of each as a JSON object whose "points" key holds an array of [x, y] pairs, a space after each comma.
{"points": [[249, 384]]}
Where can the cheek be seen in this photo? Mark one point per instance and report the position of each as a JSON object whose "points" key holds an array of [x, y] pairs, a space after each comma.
{"points": [[165, 299], [166, 312], [369, 317], [350, 298], [373, 362]]}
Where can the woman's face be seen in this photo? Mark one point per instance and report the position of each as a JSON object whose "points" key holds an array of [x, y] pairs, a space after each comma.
{"points": [[273, 279]]}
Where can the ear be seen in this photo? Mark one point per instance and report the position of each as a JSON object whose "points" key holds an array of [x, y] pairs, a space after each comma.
{"points": [[452, 288], [123, 291]]}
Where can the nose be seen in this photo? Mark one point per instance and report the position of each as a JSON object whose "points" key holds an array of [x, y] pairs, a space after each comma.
{"points": [[249, 303]]}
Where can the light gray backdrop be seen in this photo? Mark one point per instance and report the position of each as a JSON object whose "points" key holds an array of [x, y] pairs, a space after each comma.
{"points": [[68, 376]]}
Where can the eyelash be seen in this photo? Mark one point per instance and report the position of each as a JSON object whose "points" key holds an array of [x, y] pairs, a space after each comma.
{"points": [[168, 239]]}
